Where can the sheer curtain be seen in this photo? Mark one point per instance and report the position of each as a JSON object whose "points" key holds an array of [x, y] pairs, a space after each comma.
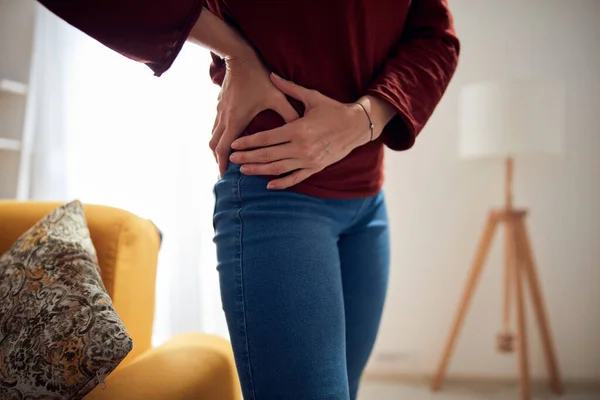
{"points": [[108, 132]]}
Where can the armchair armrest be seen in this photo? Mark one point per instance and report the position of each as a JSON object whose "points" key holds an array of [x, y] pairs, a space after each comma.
{"points": [[192, 366]]}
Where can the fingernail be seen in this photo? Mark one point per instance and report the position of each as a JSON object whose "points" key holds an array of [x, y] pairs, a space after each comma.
{"points": [[277, 76], [232, 157], [270, 186], [235, 144]]}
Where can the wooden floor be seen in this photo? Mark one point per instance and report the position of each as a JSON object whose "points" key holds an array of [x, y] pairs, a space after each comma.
{"points": [[371, 390]]}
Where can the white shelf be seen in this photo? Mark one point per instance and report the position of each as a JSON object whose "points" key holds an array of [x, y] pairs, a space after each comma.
{"points": [[10, 144], [6, 85]]}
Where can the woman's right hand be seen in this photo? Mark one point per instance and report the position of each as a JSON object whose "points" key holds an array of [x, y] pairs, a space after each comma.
{"points": [[247, 90]]}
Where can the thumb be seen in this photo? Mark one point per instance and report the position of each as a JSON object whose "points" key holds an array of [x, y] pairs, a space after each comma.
{"points": [[285, 109], [298, 92]]}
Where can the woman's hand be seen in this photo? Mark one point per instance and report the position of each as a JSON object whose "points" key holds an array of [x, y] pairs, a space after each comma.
{"points": [[246, 91], [328, 132]]}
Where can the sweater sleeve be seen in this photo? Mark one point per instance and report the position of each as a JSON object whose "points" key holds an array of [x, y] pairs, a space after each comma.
{"points": [[418, 71], [148, 31]]}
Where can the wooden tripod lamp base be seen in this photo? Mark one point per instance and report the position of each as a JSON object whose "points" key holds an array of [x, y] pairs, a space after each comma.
{"points": [[520, 274]]}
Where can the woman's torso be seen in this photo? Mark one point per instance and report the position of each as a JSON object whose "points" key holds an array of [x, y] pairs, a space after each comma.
{"points": [[337, 47]]}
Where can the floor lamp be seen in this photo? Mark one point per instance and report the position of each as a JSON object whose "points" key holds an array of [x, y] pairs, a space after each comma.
{"points": [[508, 121]]}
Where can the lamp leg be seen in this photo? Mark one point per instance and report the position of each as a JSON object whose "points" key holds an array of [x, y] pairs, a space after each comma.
{"points": [[518, 274], [530, 270], [506, 338], [480, 256]]}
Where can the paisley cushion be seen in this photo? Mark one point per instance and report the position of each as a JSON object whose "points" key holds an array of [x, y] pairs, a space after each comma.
{"points": [[59, 333]]}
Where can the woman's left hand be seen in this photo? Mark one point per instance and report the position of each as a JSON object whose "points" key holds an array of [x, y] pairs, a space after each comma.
{"points": [[328, 132]]}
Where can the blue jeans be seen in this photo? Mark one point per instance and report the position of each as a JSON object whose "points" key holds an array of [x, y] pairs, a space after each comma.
{"points": [[303, 282]]}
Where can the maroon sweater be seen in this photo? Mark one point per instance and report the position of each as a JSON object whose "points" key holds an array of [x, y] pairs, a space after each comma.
{"points": [[402, 51]]}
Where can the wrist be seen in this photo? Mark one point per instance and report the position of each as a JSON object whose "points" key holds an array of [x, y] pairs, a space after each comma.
{"points": [[379, 113], [371, 125], [360, 125], [243, 62], [219, 37], [242, 54]]}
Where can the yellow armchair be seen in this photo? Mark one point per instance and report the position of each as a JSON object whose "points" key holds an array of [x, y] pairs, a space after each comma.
{"points": [[193, 366]]}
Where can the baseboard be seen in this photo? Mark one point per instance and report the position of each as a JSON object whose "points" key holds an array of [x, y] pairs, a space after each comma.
{"points": [[571, 385]]}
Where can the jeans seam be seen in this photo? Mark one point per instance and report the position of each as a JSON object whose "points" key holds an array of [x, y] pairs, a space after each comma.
{"points": [[241, 277], [357, 214]]}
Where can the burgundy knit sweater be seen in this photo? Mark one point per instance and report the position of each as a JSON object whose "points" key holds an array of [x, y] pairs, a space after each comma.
{"points": [[402, 51]]}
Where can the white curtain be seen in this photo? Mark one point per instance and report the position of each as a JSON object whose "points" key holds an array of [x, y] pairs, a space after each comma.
{"points": [[108, 132]]}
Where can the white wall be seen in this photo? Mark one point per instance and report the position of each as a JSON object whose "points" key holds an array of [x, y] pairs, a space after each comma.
{"points": [[438, 203], [16, 37]]}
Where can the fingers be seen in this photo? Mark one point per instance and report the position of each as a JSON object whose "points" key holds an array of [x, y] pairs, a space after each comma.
{"points": [[307, 96], [274, 168], [263, 155], [290, 180], [217, 132], [226, 137], [223, 149], [264, 139]]}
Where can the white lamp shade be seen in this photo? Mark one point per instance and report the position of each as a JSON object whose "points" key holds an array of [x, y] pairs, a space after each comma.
{"points": [[512, 119]]}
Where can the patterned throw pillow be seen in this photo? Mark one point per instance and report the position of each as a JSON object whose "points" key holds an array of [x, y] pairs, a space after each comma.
{"points": [[59, 333]]}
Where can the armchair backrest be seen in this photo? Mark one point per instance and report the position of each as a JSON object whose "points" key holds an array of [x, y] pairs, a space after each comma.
{"points": [[127, 248]]}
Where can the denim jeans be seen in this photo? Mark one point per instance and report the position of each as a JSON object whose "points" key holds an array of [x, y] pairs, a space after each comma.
{"points": [[303, 282]]}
